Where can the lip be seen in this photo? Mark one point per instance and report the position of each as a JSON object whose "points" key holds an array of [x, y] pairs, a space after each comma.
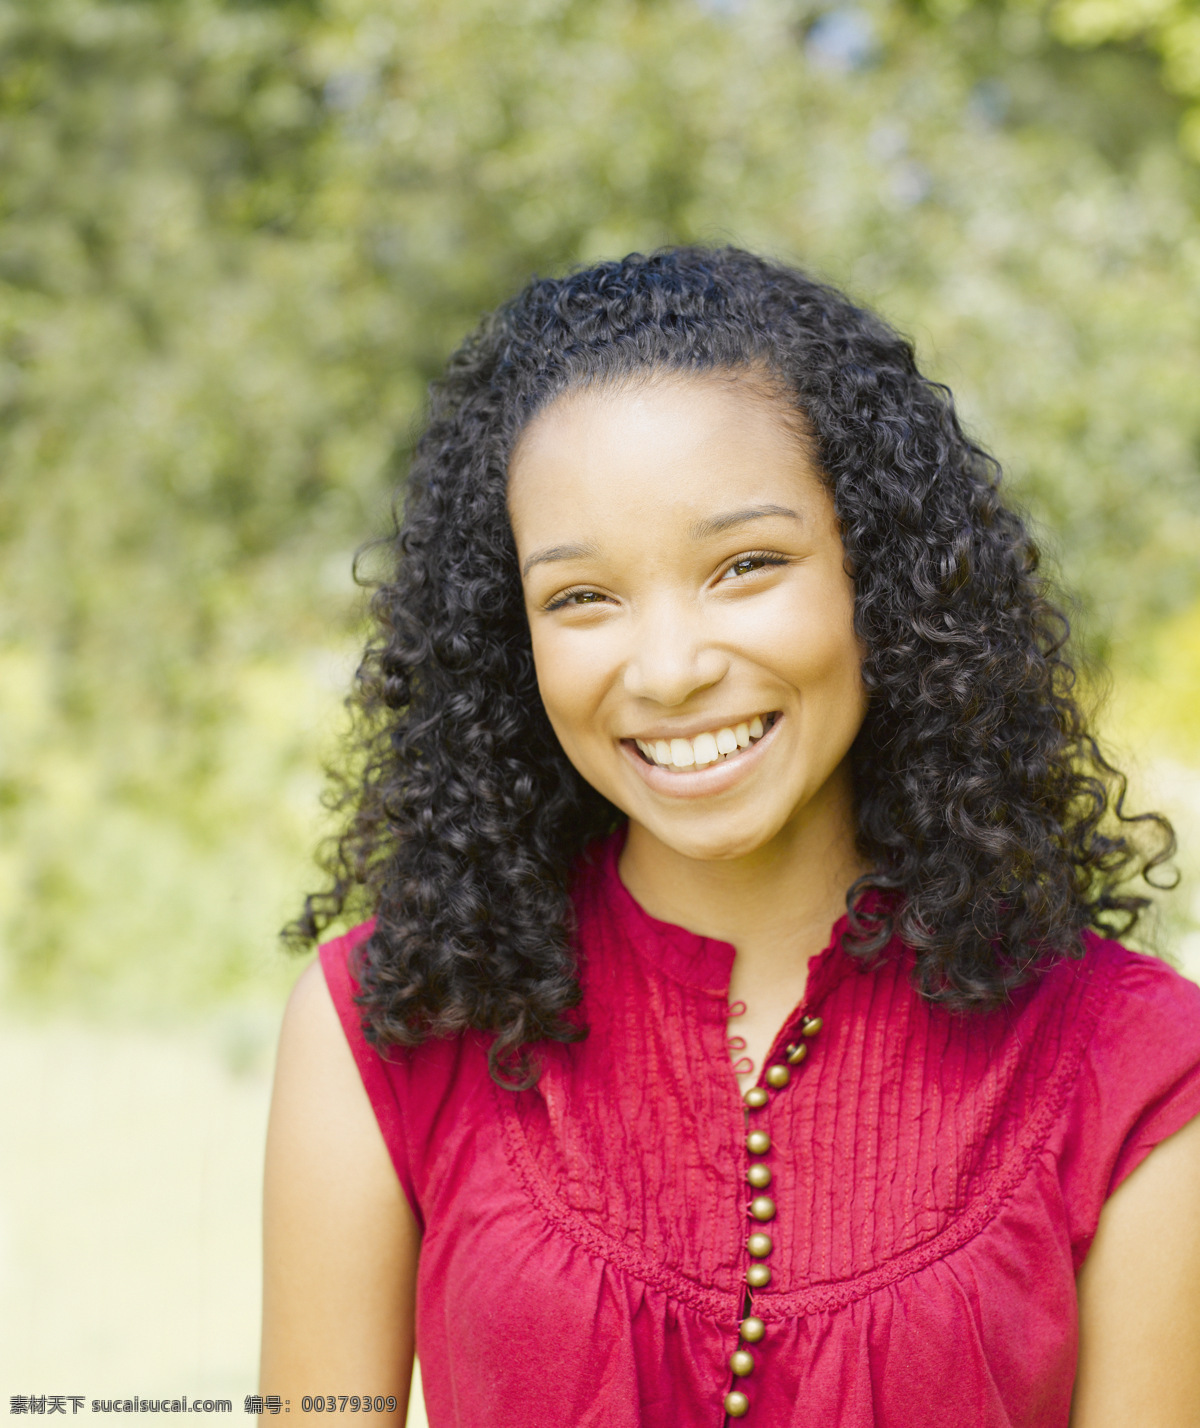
{"points": [[689, 731], [713, 778]]}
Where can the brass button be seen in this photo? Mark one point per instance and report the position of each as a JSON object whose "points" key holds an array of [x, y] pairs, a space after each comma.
{"points": [[758, 1142], [796, 1054], [759, 1176], [755, 1097], [758, 1276], [759, 1245], [778, 1076], [741, 1363], [737, 1405], [753, 1329], [811, 1025], [762, 1207]]}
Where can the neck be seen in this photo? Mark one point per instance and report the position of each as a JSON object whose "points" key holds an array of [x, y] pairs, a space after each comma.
{"points": [[777, 904]]}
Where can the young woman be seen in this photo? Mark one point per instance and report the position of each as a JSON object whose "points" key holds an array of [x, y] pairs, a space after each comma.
{"points": [[735, 1031]]}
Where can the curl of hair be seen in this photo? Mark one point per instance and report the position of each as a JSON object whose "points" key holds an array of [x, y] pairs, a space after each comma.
{"points": [[994, 828]]}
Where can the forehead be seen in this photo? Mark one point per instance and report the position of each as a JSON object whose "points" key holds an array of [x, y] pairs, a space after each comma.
{"points": [[644, 450]]}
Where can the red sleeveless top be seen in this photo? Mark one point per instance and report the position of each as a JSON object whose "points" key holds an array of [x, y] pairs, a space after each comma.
{"points": [[936, 1178]]}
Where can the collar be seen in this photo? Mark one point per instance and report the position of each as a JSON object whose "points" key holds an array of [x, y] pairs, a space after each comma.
{"points": [[703, 963]]}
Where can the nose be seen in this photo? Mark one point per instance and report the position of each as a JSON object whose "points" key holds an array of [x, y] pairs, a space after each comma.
{"points": [[671, 657]]}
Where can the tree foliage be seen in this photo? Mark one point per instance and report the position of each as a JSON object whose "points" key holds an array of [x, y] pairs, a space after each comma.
{"points": [[236, 240]]}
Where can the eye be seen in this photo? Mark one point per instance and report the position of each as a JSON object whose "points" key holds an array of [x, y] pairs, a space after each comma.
{"points": [[753, 560], [575, 597]]}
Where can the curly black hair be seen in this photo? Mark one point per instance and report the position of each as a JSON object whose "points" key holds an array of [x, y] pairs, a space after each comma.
{"points": [[993, 825]]}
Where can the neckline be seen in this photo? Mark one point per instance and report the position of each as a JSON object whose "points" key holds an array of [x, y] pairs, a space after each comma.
{"points": [[704, 963]]}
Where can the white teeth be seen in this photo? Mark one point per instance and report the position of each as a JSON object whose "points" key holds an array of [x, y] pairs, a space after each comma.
{"points": [[704, 749], [682, 754], [704, 746]]}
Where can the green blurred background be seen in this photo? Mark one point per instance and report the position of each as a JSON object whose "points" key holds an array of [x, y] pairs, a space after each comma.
{"points": [[237, 239]]}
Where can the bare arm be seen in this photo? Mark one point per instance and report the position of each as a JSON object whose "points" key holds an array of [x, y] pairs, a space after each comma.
{"points": [[1139, 1298], [340, 1242]]}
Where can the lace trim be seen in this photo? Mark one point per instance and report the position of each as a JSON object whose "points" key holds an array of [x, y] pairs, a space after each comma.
{"points": [[983, 1209], [722, 1306], [725, 1307]]}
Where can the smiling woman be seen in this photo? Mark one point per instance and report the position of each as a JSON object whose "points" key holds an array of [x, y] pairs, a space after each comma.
{"points": [[725, 822], [663, 629], [661, 637]]}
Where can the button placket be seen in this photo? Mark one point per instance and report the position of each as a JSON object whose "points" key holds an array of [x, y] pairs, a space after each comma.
{"points": [[761, 1209]]}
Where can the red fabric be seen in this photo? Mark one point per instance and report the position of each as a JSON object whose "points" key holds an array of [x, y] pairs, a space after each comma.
{"points": [[938, 1181]]}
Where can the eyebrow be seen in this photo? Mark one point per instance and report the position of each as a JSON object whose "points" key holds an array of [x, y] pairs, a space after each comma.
{"points": [[698, 530], [714, 525], [557, 552]]}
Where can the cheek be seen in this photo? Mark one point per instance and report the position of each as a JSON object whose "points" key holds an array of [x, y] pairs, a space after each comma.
{"points": [[569, 682], [809, 638]]}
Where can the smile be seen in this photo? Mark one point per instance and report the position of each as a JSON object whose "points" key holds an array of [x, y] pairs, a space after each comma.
{"points": [[719, 745]]}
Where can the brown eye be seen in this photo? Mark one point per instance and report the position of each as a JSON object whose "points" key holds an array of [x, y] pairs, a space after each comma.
{"points": [[575, 597], [748, 564]]}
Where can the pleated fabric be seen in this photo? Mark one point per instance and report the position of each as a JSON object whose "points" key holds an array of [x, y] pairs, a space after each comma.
{"points": [[938, 1179]]}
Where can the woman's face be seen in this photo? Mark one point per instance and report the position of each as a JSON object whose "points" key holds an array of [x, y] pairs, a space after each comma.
{"points": [[691, 617]]}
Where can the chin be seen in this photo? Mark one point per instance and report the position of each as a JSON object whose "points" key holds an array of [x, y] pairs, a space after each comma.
{"points": [[718, 844]]}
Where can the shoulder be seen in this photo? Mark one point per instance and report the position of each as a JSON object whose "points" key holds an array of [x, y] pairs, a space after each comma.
{"points": [[1144, 1005], [415, 1092], [1144, 1056], [1135, 968], [312, 1046], [316, 1060], [339, 971], [310, 1007], [338, 961], [1137, 1081], [319, 1113], [1119, 1003]]}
